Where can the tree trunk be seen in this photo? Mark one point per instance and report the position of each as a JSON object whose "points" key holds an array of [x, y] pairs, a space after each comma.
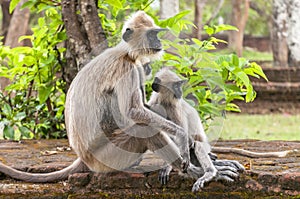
{"points": [[5, 18], [279, 33], [239, 17], [199, 5], [18, 25], [293, 38], [168, 8], [93, 27], [85, 35]]}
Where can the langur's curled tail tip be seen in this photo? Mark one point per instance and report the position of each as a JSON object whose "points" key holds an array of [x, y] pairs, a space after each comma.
{"points": [[285, 153]]}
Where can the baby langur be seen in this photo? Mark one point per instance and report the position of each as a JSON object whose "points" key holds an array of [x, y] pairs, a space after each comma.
{"points": [[195, 126], [167, 100]]}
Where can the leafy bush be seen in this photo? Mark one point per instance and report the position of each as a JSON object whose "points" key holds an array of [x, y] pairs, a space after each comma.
{"points": [[34, 101], [215, 81]]}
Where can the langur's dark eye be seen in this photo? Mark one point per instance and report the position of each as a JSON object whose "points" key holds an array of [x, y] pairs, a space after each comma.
{"points": [[127, 34], [156, 84]]}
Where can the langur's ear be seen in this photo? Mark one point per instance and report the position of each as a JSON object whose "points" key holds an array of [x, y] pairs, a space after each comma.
{"points": [[127, 34], [182, 82], [156, 84], [147, 68]]}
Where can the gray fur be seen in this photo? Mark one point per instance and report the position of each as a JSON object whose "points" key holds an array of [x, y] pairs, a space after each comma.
{"points": [[107, 123], [175, 108]]}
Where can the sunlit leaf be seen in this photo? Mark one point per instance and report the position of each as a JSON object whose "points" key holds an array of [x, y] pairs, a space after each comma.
{"points": [[12, 5], [44, 92]]}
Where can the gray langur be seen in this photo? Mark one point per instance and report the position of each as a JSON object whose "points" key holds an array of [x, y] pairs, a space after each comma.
{"points": [[167, 101], [108, 125]]}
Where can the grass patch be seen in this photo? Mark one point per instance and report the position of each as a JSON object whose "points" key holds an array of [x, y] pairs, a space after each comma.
{"points": [[250, 54], [262, 127]]}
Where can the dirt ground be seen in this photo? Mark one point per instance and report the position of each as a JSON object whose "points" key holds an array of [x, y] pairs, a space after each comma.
{"points": [[264, 177]]}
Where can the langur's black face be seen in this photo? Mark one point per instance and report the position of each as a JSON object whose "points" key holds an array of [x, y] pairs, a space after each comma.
{"points": [[146, 39], [154, 42], [167, 88]]}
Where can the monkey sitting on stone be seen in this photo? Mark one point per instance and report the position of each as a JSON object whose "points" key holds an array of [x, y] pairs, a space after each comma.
{"points": [[167, 101], [108, 125]]}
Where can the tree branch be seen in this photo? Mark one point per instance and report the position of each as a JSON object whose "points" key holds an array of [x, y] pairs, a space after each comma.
{"points": [[93, 27], [78, 44]]}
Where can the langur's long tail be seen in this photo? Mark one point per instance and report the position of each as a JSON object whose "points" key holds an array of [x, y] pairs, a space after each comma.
{"points": [[251, 154], [76, 166]]}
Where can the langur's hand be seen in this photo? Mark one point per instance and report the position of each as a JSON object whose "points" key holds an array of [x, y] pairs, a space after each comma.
{"points": [[185, 162]]}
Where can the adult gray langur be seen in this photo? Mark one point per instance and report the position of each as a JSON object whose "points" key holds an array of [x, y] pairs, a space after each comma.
{"points": [[107, 123]]}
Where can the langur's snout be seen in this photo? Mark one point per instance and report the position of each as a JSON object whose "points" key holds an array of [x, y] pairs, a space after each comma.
{"points": [[154, 41]]}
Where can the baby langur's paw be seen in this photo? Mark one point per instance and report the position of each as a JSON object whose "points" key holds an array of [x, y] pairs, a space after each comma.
{"points": [[230, 163], [185, 163], [208, 176], [198, 185], [164, 174], [226, 173]]}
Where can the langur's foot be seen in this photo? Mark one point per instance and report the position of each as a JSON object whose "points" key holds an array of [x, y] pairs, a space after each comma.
{"points": [[164, 174], [230, 163], [207, 177]]}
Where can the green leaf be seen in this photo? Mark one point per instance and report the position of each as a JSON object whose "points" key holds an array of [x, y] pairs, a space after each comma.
{"points": [[12, 5], [232, 107], [22, 50], [235, 60], [197, 41], [29, 60], [44, 92], [216, 41], [41, 22], [9, 132], [251, 94], [28, 4], [23, 37], [26, 133], [20, 116], [209, 30], [258, 70], [7, 111], [242, 76], [224, 27], [115, 3]]}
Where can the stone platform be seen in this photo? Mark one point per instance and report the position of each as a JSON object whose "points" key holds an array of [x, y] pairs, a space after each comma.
{"points": [[264, 177]]}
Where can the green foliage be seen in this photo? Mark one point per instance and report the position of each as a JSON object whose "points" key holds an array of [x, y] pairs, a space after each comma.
{"points": [[12, 5], [113, 12], [34, 101], [215, 81], [33, 104]]}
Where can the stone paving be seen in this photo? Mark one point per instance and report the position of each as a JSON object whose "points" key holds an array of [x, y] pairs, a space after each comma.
{"points": [[264, 177]]}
